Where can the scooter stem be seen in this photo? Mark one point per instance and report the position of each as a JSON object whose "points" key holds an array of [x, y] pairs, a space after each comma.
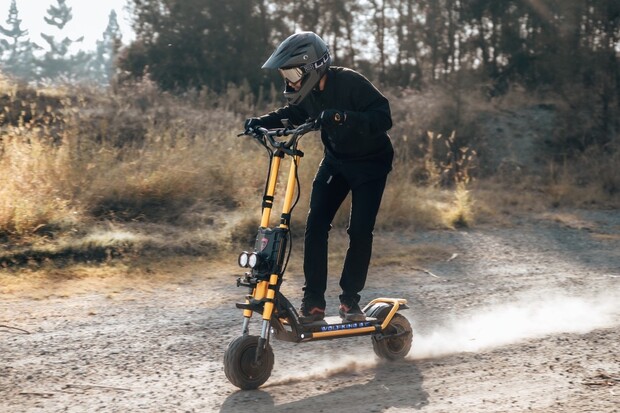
{"points": [[270, 189], [290, 192]]}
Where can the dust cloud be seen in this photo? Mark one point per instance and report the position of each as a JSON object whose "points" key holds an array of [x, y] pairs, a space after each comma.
{"points": [[529, 316]]}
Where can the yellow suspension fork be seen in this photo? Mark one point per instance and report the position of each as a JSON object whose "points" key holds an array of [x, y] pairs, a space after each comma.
{"points": [[267, 289], [284, 224], [260, 291]]}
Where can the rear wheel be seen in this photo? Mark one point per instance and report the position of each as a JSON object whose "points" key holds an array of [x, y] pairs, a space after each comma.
{"points": [[398, 345], [241, 366]]}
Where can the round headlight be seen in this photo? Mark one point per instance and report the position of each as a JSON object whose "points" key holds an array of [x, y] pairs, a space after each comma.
{"points": [[252, 260], [243, 259]]}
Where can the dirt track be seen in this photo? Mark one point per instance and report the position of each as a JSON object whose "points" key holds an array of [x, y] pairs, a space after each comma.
{"points": [[516, 319]]}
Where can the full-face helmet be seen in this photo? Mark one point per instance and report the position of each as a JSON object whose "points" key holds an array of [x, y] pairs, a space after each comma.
{"points": [[301, 57]]}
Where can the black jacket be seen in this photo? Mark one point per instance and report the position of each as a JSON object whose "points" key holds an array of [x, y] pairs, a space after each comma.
{"points": [[361, 147]]}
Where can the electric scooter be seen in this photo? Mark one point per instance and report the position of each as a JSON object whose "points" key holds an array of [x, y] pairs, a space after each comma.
{"points": [[249, 359]]}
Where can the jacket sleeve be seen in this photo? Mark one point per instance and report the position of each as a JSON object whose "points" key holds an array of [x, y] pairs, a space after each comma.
{"points": [[371, 115], [294, 114], [368, 118]]}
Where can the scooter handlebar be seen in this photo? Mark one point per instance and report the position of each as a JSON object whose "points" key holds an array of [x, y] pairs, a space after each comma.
{"points": [[270, 134]]}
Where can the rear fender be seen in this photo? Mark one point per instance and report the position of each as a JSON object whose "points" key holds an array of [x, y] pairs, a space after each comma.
{"points": [[380, 310]]}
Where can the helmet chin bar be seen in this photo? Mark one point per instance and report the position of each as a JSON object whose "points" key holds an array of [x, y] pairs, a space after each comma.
{"points": [[294, 97], [309, 82]]}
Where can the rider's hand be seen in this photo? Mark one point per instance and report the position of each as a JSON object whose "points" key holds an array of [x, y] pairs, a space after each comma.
{"points": [[331, 118], [252, 123]]}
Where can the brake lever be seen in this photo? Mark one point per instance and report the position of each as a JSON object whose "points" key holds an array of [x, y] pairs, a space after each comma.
{"points": [[255, 133], [247, 132]]}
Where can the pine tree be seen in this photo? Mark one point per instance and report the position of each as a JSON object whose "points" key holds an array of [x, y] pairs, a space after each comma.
{"points": [[59, 15], [17, 51], [186, 44], [101, 67], [57, 62]]}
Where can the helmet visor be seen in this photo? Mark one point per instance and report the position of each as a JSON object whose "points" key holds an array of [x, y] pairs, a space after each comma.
{"points": [[292, 74]]}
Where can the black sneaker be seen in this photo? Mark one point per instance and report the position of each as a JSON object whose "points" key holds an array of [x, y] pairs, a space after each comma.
{"points": [[351, 312], [310, 315]]}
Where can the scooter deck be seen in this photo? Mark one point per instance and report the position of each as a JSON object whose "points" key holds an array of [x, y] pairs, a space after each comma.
{"points": [[336, 323]]}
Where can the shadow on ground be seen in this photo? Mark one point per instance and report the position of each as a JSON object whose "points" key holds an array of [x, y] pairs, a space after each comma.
{"points": [[394, 385]]}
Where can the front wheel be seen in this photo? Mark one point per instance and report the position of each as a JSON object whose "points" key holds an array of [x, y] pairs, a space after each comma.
{"points": [[241, 366], [397, 343]]}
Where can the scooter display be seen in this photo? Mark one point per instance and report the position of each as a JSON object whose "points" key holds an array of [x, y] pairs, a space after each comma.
{"points": [[249, 359]]}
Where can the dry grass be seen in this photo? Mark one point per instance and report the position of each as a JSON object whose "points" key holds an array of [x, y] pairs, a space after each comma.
{"points": [[33, 195], [99, 178], [172, 187]]}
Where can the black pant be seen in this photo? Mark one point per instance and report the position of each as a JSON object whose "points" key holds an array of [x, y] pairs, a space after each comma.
{"points": [[328, 192]]}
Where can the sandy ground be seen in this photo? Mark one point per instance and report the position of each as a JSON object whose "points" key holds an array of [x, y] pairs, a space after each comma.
{"points": [[524, 318]]}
